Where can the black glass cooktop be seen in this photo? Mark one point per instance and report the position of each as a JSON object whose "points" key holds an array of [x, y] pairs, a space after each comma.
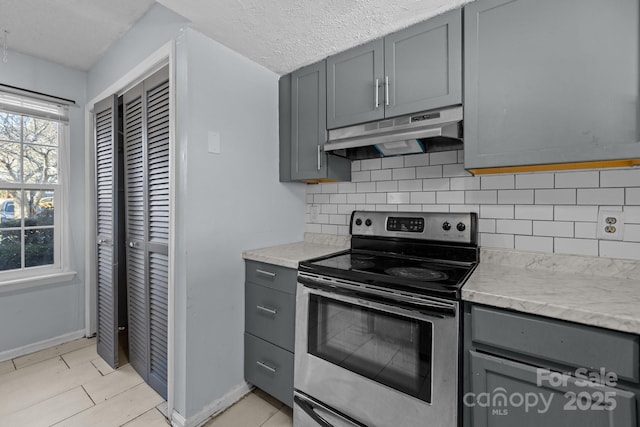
{"points": [[422, 275]]}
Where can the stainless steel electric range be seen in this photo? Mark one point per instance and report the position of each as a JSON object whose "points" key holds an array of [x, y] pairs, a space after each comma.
{"points": [[378, 325]]}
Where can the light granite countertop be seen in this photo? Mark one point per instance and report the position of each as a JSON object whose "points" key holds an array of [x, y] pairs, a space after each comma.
{"points": [[289, 255], [593, 291]]}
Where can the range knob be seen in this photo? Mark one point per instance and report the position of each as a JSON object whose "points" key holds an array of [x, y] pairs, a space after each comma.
{"points": [[358, 222], [446, 226], [461, 226], [368, 223]]}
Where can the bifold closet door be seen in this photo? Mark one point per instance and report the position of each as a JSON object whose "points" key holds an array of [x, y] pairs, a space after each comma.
{"points": [[106, 157], [146, 154]]}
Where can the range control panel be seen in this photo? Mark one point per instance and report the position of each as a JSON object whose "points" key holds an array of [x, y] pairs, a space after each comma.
{"points": [[438, 226]]}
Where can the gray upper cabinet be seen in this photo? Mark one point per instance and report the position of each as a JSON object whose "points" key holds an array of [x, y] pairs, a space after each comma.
{"points": [[308, 121], [550, 82], [415, 69]]}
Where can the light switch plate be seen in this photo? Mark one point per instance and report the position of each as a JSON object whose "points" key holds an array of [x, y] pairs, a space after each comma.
{"points": [[214, 142]]}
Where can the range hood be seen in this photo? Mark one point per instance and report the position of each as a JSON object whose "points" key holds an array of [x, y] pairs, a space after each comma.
{"points": [[428, 131]]}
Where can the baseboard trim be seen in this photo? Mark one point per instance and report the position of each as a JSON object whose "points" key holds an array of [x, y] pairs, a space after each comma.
{"points": [[41, 345], [231, 397]]}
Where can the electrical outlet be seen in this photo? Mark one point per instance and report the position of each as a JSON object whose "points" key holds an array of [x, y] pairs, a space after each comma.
{"points": [[315, 211], [610, 225]]}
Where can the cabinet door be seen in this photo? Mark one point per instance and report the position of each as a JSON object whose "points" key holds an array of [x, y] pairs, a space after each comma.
{"points": [[423, 65], [500, 390], [308, 122], [355, 81], [550, 82]]}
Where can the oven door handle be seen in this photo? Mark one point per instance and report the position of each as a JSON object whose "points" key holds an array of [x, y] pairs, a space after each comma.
{"points": [[437, 309], [309, 408]]}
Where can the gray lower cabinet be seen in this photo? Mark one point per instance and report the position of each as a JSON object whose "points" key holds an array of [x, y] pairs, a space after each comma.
{"points": [[416, 69], [530, 371], [550, 82], [269, 328], [303, 129]]}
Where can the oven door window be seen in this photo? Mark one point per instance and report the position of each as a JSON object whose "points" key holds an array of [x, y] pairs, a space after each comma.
{"points": [[387, 348]]}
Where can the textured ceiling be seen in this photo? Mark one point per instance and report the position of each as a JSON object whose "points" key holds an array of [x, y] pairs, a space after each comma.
{"points": [[284, 35], [281, 35], [74, 33]]}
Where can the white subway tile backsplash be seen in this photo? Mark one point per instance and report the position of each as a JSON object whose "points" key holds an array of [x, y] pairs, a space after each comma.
{"points": [[601, 196], [588, 179], [429, 172], [416, 160], [392, 162], [404, 173], [585, 230], [534, 212], [436, 184], [515, 197], [576, 213], [534, 243], [514, 226], [362, 176], [376, 198], [504, 241], [454, 170], [555, 197], [465, 183], [535, 180], [371, 164], [410, 185], [337, 198], [497, 212], [613, 249], [576, 246], [423, 197], [321, 198], [486, 225], [398, 198], [631, 232], [553, 228], [366, 187], [620, 178], [450, 197], [633, 196], [381, 175], [542, 212], [443, 158], [497, 182], [485, 197], [357, 198], [386, 186], [346, 187]]}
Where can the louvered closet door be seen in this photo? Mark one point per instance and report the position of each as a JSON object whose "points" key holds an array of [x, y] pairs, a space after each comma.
{"points": [[146, 136], [106, 154]]}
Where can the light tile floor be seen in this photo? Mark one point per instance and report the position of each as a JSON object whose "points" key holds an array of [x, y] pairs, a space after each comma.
{"points": [[70, 385]]}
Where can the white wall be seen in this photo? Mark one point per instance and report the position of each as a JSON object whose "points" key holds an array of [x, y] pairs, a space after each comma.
{"points": [[43, 313], [553, 212], [227, 202]]}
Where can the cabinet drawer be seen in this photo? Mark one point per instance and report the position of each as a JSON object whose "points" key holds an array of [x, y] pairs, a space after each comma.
{"points": [[270, 315], [269, 367], [272, 276], [557, 341]]}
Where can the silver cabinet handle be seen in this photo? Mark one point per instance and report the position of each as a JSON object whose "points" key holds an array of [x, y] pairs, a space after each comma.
{"points": [[132, 244], [386, 89], [271, 311], [267, 367], [318, 157], [104, 241], [375, 93], [266, 273]]}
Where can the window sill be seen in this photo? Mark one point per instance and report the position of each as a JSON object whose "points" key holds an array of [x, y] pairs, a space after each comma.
{"points": [[36, 281]]}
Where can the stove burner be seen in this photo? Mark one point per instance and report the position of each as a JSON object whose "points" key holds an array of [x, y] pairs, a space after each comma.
{"points": [[359, 264], [417, 273]]}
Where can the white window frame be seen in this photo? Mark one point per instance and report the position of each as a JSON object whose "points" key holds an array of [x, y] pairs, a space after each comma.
{"points": [[59, 271]]}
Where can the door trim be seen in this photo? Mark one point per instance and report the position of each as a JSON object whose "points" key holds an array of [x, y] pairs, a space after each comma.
{"points": [[166, 54]]}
